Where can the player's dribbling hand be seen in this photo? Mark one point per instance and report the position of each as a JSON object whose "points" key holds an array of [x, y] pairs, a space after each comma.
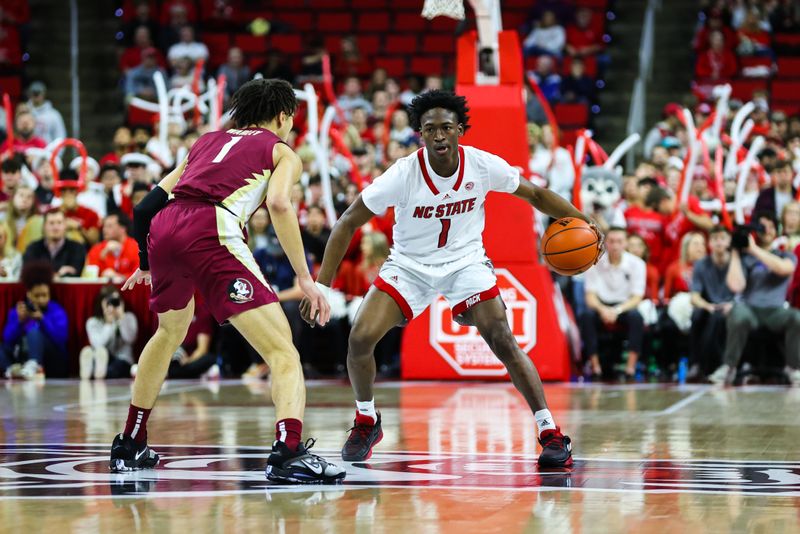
{"points": [[137, 278], [317, 306], [601, 243]]}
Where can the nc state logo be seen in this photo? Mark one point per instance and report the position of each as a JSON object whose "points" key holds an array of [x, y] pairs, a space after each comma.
{"points": [[469, 186], [240, 291]]}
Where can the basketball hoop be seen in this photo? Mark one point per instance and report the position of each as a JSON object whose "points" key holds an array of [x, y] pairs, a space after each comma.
{"points": [[448, 8]]}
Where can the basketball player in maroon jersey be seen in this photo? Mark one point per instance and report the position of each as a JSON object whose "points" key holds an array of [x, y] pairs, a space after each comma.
{"points": [[197, 242], [438, 195]]}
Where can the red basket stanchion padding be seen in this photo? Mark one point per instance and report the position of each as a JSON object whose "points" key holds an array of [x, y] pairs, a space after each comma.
{"points": [[58, 183]]}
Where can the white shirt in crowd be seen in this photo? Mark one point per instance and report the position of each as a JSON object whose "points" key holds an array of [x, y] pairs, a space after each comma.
{"points": [[193, 51], [614, 284], [551, 39]]}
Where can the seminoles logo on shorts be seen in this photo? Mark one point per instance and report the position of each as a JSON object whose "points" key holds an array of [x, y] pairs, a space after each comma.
{"points": [[240, 291], [469, 186]]}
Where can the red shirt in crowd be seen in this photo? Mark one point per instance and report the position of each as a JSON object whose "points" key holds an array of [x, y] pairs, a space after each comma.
{"points": [[132, 57], [677, 279], [21, 145], [676, 226], [125, 264], [87, 216], [653, 281], [353, 279], [701, 43], [716, 65], [650, 226], [582, 38]]}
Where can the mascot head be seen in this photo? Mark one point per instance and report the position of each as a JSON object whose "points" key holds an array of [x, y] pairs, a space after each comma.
{"points": [[600, 188]]}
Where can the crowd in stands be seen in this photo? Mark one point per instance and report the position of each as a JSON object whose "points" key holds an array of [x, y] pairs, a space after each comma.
{"points": [[677, 288]]}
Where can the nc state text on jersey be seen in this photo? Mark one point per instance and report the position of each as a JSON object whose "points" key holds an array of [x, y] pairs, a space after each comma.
{"points": [[444, 210]]}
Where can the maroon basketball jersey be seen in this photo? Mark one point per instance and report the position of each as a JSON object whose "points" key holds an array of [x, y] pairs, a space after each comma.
{"points": [[231, 168]]}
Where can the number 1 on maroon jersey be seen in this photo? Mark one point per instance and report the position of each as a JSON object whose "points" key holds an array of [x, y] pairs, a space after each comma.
{"points": [[445, 231]]}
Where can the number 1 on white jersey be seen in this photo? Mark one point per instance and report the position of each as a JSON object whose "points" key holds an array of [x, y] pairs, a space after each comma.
{"points": [[225, 149]]}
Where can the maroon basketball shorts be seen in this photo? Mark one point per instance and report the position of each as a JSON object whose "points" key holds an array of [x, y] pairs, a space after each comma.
{"points": [[197, 246]]}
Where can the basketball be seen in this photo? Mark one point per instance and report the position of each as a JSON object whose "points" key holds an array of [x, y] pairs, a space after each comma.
{"points": [[570, 246]]}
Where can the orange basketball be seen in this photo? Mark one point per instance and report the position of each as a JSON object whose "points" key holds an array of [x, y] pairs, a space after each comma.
{"points": [[570, 246]]}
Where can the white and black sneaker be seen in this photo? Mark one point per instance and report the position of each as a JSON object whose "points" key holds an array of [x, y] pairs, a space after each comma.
{"points": [[301, 467], [129, 455]]}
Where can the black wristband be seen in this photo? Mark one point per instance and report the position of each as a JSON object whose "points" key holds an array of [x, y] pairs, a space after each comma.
{"points": [[143, 214]]}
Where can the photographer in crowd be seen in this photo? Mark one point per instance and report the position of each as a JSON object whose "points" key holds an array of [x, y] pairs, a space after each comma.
{"points": [[760, 277], [112, 332], [35, 333]]}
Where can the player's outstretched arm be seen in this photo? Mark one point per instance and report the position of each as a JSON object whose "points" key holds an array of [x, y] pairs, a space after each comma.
{"points": [[356, 216], [284, 219], [547, 202], [143, 215]]}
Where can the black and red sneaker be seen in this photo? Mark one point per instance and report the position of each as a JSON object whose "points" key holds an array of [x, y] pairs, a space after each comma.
{"points": [[364, 435], [556, 449]]}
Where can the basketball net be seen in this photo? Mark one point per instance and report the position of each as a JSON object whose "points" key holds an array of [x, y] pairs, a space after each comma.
{"points": [[448, 8]]}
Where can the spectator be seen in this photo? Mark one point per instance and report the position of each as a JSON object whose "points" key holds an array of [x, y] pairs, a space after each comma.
{"points": [[45, 190], [183, 75], [23, 221], [790, 224], [235, 71], [49, 123], [194, 357], [712, 301], [138, 192], [177, 18], [548, 38], [25, 136], [316, 233], [714, 23], [666, 128], [137, 169], [380, 105], [187, 47], [66, 257], [35, 333], [355, 278], [133, 56], [83, 224], [582, 39], [112, 332], [637, 246], [401, 131], [142, 18], [139, 80], [117, 256], [11, 260], [11, 177], [614, 289], [105, 196], [753, 39], [257, 235], [678, 276], [553, 163], [646, 222], [774, 198], [577, 87], [717, 63], [690, 216], [548, 79], [761, 277], [123, 139], [352, 97]]}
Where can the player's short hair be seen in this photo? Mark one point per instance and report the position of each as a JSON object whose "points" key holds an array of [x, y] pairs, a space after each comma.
{"points": [[438, 99], [262, 100]]}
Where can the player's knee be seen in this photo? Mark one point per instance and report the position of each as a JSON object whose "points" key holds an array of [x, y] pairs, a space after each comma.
{"points": [[361, 342], [502, 342]]}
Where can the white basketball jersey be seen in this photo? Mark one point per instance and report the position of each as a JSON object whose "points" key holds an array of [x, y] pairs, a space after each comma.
{"points": [[439, 220]]}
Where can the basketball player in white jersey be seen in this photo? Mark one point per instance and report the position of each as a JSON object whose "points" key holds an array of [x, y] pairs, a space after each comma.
{"points": [[438, 195]]}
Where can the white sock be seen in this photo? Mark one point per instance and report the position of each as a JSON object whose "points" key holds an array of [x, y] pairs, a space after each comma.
{"points": [[544, 421], [367, 408]]}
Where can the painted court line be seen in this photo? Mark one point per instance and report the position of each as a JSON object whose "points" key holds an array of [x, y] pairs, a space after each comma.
{"points": [[683, 403]]}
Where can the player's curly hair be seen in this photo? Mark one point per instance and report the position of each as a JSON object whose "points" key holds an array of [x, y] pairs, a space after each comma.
{"points": [[438, 99], [259, 101], [36, 273]]}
